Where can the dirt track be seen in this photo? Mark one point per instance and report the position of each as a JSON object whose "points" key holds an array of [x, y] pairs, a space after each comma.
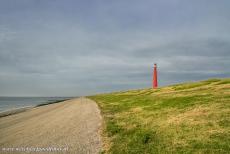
{"points": [[72, 126]]}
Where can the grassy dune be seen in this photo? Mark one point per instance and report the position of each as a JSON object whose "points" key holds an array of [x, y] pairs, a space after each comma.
{"points": [[183, 118]]}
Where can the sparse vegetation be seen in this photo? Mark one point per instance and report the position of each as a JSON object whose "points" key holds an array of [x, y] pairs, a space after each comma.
{"points": [[184, 118]]}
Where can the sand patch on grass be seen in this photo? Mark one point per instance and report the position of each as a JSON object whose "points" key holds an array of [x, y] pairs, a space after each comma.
{"points": [[192, 117]]}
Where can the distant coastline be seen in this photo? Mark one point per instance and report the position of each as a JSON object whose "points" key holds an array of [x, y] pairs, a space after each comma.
{"points": [[19, 109], [53, 102], [14, 111]]}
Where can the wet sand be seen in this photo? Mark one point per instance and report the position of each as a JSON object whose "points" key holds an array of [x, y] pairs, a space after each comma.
{"points": [[71, 126]]}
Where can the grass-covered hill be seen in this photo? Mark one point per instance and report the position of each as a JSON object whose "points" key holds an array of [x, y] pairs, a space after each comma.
{"points": [[183, 118]]}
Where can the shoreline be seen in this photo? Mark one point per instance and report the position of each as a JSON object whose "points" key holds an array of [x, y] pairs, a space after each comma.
{"points": [[70, 126], [13, 111]]}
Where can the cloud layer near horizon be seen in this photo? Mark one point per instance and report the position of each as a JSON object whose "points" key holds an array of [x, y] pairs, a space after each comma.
{"points": [[71, 48]]}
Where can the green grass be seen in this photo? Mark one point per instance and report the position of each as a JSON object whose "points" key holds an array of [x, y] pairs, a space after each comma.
{"points": [[184, 118]]}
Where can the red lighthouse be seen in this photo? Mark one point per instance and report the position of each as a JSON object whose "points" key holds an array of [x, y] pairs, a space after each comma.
{"points": [[155, 83]]}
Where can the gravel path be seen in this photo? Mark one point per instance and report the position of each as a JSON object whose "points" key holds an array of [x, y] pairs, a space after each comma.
{"points": [[71, 127]]}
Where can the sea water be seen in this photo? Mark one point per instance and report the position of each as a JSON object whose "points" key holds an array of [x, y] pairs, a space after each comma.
{"points": [[10, 103]]}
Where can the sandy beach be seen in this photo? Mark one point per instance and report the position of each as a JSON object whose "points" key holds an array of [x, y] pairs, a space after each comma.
{"points": [[71, 126]]}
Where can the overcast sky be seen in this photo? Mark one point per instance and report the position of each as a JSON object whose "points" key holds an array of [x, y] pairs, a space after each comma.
{"points": [[82, 47]]}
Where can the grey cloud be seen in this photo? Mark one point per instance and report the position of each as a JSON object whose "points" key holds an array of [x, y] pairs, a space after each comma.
{"points": [[58, 49], [208, 47]]}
